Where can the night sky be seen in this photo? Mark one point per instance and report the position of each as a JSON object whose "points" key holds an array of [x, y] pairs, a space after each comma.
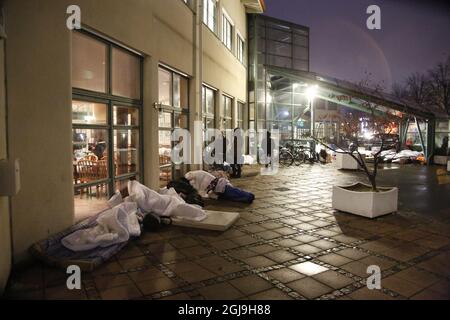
{"points": [[414, 36]]}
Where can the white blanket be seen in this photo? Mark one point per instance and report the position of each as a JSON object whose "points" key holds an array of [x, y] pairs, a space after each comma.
{"points": [[114, 226], [121, 222], [167, 204]]}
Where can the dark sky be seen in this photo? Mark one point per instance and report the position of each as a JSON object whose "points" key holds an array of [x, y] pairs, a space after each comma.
{"points": [[414, 36]]}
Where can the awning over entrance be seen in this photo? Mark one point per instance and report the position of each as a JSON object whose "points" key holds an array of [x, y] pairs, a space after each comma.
{"points": [[284, 89], [353, 96]]}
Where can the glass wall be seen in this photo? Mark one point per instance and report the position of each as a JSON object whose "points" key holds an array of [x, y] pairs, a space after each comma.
{"points": [[285, 107], [280, 43], [442, 137], [275, 102], [174, 113], [106, 110], [413, 136]]}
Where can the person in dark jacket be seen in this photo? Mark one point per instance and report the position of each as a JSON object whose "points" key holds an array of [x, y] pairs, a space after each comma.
{"points": [[267, 145], [237, 148]]}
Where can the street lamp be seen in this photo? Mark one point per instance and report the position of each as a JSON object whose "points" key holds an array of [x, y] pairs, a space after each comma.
{"points": [[311, 92]]}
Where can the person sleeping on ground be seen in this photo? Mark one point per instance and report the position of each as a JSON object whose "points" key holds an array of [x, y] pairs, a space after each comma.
{"points": [[122, 221], [208, 186]]}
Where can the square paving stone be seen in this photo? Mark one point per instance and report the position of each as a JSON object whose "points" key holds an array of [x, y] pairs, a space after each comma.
{"points": [[106, 282], [366, 294], [401, 286], [121, 293], [353, 254], [307, 249], [306, 238], [285, 275], [262, 249], [268, 235], [271, 294], [281, 256], [357, 268], [287, 243], [150, 287], [220, 291], [334, 259], [309, 288], [259, 262], [323, 244], [251, 284], [333, 279], [377, 261], [146, 274], [308, 268], [417, 276]]}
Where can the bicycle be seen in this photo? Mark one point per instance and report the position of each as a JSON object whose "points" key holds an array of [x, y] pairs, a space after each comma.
{"points": [[285, 159], [297, 152]]}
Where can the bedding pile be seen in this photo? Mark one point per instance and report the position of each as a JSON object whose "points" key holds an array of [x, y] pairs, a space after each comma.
{"points": [[123, 221], [209, 186]]}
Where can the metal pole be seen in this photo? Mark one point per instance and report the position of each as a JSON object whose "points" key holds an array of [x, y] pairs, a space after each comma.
{"points": [[313, 133], [311, 107]]}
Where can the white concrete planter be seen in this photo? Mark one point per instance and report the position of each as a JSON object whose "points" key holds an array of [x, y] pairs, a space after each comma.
{"points": [[448, 165], [345, 161], [442, 160], [367, 204]]}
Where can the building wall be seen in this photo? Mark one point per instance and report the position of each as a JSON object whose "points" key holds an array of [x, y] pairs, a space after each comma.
{"points": [[221, 68], [39, 92], [5, 243]]}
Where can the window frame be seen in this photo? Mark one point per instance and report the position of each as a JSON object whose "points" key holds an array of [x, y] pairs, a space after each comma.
{"points": [[227, 33], [111, 101], [223, 116], [173, 111], [207, 10], [240, 47]]}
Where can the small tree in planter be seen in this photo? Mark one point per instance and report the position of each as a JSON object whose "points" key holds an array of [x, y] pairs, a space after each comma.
{"points": [[376, 125]]}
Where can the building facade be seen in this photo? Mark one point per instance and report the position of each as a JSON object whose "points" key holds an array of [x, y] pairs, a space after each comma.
{"points": [[89, 109]]}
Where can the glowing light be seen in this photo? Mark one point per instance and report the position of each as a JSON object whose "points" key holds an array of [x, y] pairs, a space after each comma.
{"points": [[368, 135], [311, 92]]}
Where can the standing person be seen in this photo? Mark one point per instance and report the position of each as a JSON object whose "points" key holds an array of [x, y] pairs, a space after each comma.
{"points": [[237, 146], [267, 145]]}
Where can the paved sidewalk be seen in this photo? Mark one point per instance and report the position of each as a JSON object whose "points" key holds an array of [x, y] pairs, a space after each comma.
{"points": [[289, 244]]}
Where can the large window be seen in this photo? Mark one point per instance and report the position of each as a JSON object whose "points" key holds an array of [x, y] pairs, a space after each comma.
{"points": [[227, 31], [209, 106], [106, 110], [174, 113], [226, 113], [240, 115], [240, 49], [209, 14], [89, 62]]}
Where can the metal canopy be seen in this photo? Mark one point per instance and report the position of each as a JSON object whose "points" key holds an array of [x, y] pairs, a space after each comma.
{"points": [[350, 95]]}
